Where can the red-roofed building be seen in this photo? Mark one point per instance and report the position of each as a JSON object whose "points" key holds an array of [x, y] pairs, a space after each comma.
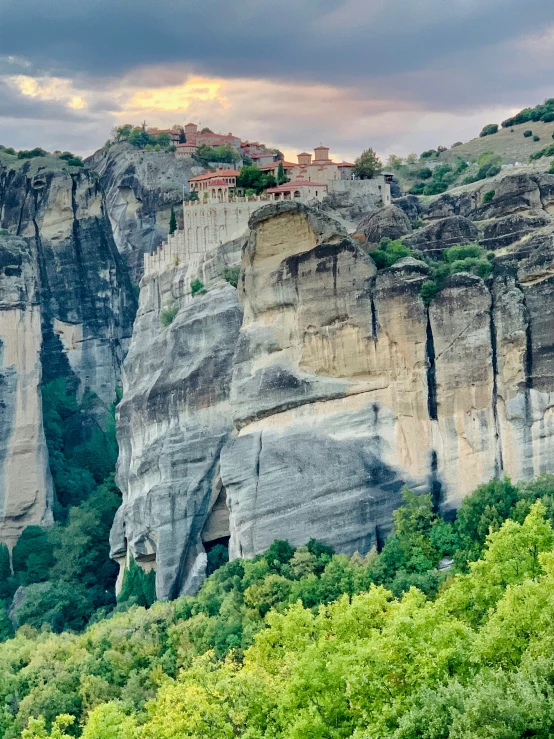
{"points": [[299, 190], [214, 185], [321, 168]]}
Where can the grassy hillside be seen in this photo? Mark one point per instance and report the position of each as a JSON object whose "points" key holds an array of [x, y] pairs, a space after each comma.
{"points": [[509, 143]]}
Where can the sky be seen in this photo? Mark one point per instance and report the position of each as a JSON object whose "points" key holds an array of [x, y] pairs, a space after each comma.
{"points": [[396, 75]]}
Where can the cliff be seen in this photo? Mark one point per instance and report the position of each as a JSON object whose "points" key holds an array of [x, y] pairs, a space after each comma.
{"points": [[333, 385], [67, 309], [141, 188]]}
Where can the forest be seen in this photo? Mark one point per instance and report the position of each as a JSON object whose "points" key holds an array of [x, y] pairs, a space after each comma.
{"points": [[447, 632]]}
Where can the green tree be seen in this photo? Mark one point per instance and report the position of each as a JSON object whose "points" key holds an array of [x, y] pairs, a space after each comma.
{"points": [[139, 587], [172, 222], [367, 165]]}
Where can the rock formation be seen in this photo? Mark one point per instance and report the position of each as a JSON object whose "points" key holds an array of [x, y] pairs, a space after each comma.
{"points": [[390, 222], [141, 188], [305, 415], [174, 420], [439, 235], [67, 311]]}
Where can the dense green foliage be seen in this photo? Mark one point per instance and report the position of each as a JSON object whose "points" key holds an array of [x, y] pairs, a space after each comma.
{"points": [[222, 154], [489, 129], [253, 179], [548, 151], [388, 252], [139, 587], [489, 163], [140, 137], [544, 112], [66, 569], [462, 258], [438, 179], [304, 643]]}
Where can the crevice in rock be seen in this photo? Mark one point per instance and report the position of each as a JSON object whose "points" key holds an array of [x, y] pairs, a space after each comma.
{"points": [[374, 322], [435, 485], [85, 299], [257, 474], [432, 404], [22, 209], [498, 462]]}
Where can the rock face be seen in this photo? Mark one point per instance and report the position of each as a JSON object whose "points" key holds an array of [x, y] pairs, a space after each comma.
{"points": [[390, 222], [141, 188], [67, 311], [25, 483], [304, 413], [439, 235], [173, 421]]}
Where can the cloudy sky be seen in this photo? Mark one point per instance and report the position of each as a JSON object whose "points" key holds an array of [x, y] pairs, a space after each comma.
{"points": [[398, 75]]}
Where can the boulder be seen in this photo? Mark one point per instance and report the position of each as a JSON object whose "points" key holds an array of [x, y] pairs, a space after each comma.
{"points": [[439, 235], [411, 205], [390, 222]]}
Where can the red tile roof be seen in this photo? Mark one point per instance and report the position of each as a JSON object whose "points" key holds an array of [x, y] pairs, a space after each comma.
{"points": [[219, 173], [296, 184]]}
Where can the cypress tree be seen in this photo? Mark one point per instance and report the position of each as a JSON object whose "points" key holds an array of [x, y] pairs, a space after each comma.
{"points": [[172, 222]]}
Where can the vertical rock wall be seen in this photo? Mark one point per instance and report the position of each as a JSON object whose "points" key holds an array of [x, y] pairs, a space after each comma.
{"points": [[66, 310], [336, 387]]}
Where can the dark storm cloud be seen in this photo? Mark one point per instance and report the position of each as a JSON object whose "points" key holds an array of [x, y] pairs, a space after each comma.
{"points": [[310, 40]]}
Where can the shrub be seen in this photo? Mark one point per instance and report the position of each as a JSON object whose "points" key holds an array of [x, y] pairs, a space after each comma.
{"points": [[536, 138], [489, 129], [527, 134], [425, 173], [488, 196], [8, 150], [197, 287], [429, 154], [551, 170], [32, 153], [428, 291], [435, 187], [456, 144], [548, 151], [4, 232], [388, 252], [231, 275], [417, 189], [167, 315]]}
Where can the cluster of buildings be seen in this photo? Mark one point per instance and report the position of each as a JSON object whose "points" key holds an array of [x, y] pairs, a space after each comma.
{"points": [[221, 209]]}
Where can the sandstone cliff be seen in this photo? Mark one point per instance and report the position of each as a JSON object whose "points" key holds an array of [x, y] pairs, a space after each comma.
{"points": [[302, 412], [66, 311]]}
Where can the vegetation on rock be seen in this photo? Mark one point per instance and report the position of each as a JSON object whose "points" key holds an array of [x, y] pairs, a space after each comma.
{"points": [[544, 112]]}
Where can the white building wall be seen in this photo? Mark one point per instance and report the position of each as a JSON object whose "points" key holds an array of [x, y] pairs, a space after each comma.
{"points": [[377, 187]]}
